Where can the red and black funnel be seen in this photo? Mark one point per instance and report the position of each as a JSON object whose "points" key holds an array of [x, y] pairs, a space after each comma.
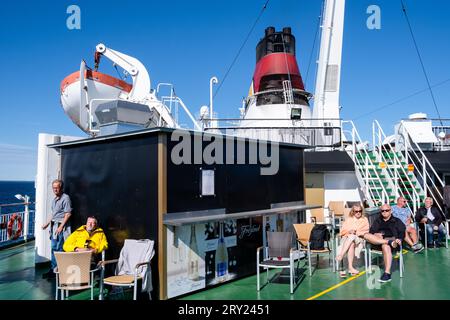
{"points": [[276, 62]]}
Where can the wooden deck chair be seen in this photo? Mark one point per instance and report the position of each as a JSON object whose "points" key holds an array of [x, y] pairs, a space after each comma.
{"points": [[74, 272], [337, 212], [347, 212], [317, 215], [133, 265], [350, 204], [303, 231]]}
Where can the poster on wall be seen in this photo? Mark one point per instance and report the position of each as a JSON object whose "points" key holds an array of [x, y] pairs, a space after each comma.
{"points": [[185, 260], [220, 257], [212, 253]]}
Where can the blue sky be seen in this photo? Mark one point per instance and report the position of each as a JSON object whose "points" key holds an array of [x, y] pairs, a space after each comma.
{"points": [[187, 42]]}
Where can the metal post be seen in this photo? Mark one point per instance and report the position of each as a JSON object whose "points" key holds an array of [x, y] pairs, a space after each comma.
{"points": [[380, 142], [367, 177], [26, 217], [424, 171], [211, 82], [406, 141], [353, 144], [373, 135]]}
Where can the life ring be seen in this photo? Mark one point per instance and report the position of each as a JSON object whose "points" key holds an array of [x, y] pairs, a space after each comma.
{"points": [[14, 227]]}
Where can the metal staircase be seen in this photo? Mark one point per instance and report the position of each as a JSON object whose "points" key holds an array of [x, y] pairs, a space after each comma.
{"points": [[371, 177], [383, 172], [426, 176], [400, 171]]}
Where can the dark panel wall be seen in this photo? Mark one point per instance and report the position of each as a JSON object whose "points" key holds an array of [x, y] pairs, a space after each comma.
{"points": [[318, 161], [440, 161], [238, 187], [117, 182]]}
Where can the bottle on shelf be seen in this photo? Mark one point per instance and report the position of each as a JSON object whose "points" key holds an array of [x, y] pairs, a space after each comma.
{"points": [[221, 259], [193, 256], [279, 223]]}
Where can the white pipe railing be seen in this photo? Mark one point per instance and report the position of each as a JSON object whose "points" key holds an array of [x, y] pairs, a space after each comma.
{"points": [[369, 178], [16, 225], [428, 180], [378, 134]]}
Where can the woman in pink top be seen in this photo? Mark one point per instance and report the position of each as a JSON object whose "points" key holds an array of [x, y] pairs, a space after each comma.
{"points": [[352, 232]]}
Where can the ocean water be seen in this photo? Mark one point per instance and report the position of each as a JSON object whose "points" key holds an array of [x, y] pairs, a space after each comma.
{"points": [[8, 190]]}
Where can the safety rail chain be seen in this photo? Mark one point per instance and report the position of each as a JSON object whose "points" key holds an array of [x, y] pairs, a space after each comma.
{"points": [[16, 225], [403, 183], [432, 183], [366, 168]]}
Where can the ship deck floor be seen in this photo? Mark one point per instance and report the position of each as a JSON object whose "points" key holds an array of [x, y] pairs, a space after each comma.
{"points": [[426, 277]]}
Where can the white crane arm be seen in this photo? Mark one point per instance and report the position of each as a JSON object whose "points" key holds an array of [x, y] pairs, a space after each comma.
{"points": [[139, 74]]}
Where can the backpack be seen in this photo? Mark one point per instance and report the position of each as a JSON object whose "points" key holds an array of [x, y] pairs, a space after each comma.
{"points": [[319, 234]]}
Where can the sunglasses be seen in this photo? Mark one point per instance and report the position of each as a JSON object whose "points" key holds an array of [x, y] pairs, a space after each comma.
{"points": [[385, 210], [357, 211]]}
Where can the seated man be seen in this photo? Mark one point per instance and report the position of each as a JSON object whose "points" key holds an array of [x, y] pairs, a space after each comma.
{"points": [[87, 237], [433, 218], [387, 231], [403, 213]]}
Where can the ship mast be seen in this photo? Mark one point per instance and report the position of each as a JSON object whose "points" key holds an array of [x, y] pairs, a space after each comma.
{"points": [[326, 97]]}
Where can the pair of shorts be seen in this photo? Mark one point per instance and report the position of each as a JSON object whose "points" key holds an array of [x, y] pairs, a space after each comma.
{"points": [[377, 247]]}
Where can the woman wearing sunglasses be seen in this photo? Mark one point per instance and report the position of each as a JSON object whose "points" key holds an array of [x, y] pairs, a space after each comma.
{"points": [[352, 232]]}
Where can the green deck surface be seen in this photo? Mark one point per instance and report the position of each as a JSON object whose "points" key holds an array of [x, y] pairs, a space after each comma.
{"points": [[426, 276]]}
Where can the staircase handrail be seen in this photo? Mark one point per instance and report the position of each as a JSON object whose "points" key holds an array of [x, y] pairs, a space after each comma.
{"points": [[397, 163], [427, 164], [355, 134]]}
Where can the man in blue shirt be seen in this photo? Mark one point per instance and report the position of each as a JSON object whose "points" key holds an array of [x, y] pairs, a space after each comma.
{"points": [[59, 225], [403, 213]]}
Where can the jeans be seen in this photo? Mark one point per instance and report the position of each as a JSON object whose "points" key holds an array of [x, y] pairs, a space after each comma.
{"points": [[441, 231], [57, 245]]}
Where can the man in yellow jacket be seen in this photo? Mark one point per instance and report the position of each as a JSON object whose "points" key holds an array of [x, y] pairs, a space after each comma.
{"points": [[87, 237]]}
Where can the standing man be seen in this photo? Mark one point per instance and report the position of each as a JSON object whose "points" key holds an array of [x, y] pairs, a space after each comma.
{"points": [[403, 213], [59, 225]]}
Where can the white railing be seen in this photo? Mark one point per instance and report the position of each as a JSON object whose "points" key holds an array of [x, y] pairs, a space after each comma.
{"points": [[176, 101], [372, 182], [281, 130], [396, 168], [432, 183], [16, 225]]}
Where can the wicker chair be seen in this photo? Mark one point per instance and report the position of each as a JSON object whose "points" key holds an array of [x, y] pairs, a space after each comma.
{"points": [[74, 273]]}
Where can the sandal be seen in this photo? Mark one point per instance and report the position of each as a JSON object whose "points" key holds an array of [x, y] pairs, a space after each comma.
{"points": [[343, 274], [353, 273]]}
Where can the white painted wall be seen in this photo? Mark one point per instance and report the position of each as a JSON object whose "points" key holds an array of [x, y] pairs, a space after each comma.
{"points": [[341, 186], [48, 169]]}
